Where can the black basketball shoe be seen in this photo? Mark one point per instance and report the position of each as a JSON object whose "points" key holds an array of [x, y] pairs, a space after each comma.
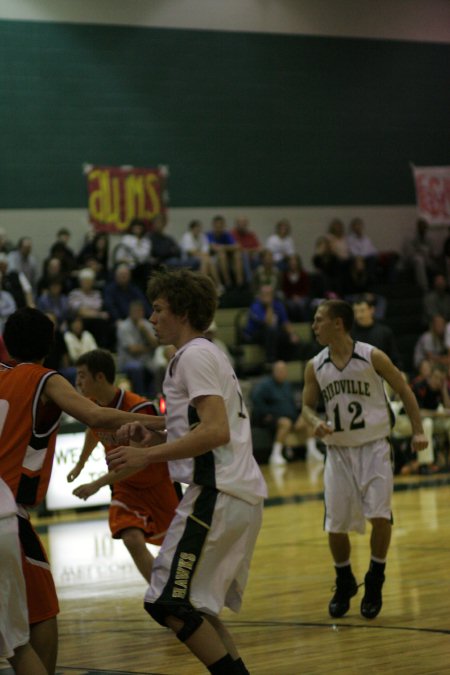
{"points": [[340, 602], [372, 600]]}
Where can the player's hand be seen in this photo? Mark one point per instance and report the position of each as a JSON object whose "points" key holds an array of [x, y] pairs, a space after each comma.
{"points": [[124, 457], [74, 473], [323, 429], [86, 490], [419, 442], [133, 432]]}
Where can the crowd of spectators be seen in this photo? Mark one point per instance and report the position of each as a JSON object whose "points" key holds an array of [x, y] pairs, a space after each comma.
{"points": [[97, 295]]}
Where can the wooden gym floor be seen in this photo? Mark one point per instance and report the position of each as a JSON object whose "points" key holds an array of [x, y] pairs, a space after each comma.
{"points": [[284, 627]]}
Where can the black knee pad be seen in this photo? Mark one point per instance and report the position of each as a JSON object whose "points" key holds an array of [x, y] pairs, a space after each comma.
{"points": [[191, 618]]}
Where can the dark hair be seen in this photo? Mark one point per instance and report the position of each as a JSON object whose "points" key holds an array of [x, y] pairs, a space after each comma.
{"points": [[366, 298], [187, 292], [28, 334], [99, 361], [340, 309]]}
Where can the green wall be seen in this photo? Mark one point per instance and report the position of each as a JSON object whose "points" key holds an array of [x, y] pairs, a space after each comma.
{"points": [[240, 118]]}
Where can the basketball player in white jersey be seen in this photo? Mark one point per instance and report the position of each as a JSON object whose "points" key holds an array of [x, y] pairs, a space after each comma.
{"points": [[358, 477], [204, 561]]}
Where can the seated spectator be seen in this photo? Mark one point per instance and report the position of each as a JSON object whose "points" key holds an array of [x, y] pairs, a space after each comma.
{"points": [[432, 345], [268, 325], [250, 245], [339, 246], [21, 259], [52, 269], [226, 252], [136, 344], [5, 245], [54, 301], [419, 255], [15, 283], [366, 328], [406, 460], [61, 249], [134, 249], [267, 273], [120, 293], [78, 340], [273, 406], [361, 246], [195, 245], [95, 254], [87, 303], [327, 264], [295, 287], [281, 243], [165, 249], [357, 279], [437, 300]]}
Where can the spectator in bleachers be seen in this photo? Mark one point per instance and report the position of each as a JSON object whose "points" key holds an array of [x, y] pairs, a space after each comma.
{"points": [[361, 246], [250, 245], [267, 273], [21, 259], [52, 269], [15, 283], [227, 253], [165, 249], [120, 293], [357, 279], [419, 255], [367, 329], [78, 340], [437, 300], [86, 301], [61, 249], [195, 245], [274, 407], [281, 243], [295, 287], [95, 254], [5, 245], [268, 325], [338, 240], [431, 344], [326, 262], [134, 249], [136, 344], [58, 356], [54, 301], [161, 358]]}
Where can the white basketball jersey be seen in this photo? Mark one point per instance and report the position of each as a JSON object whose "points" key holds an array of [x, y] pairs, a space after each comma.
{"points": [[200, 368], [354, 397]]}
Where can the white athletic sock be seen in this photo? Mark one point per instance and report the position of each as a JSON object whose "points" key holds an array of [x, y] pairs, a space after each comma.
{"points": [[276, 456]]}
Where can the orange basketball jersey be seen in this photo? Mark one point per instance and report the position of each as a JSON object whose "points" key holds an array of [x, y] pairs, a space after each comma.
{"points": [[154, 473], [27, 431]]}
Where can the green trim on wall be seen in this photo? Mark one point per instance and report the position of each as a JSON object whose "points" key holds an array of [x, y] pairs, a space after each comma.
{"points": [[240, 118]]}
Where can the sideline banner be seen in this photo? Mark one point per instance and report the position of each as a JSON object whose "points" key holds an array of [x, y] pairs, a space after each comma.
{"points": [[117, 194], [433, 193]]}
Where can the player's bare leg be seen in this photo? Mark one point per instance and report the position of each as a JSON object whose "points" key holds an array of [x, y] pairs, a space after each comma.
{"points": [[25, 661], [44, 640], [134, 540], [373, 581]]}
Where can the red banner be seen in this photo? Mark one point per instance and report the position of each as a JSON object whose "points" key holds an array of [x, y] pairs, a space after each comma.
{"points": [[433, 193], [119, 194]]}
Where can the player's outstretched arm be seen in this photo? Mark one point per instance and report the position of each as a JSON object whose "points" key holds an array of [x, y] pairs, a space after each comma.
{"points": [[88, 446]]}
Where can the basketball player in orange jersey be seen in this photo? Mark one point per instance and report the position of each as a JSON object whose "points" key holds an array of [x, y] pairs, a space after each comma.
{"points": [[144, 504], [31, 400]]}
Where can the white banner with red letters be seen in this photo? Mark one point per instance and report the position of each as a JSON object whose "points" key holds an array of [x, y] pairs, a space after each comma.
{"points": [[433, 193]]}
